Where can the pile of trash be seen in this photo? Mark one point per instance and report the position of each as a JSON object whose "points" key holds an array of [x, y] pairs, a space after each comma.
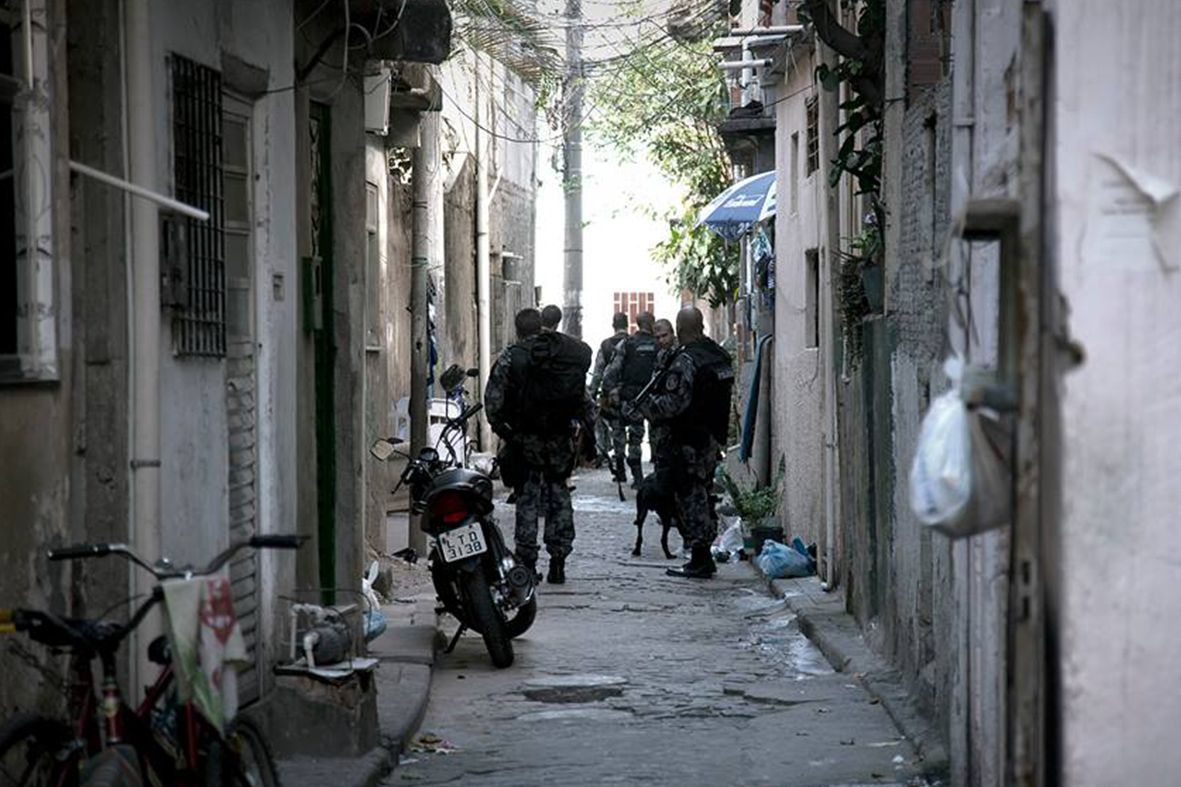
{"points": [[778, 561], [774, 559]]}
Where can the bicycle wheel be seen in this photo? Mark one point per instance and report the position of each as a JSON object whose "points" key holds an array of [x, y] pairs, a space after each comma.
{"points": [[243, 759], [33, 753]]}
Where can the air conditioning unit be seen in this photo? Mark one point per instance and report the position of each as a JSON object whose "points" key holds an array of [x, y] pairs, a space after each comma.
{"points": [[377, 99]]}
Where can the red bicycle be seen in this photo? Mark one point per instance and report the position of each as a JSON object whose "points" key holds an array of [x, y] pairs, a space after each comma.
{"points": [[162, 741]]}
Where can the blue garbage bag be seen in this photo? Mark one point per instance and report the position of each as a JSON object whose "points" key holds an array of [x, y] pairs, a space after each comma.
{"points": [[375, 624], [777, 561]]}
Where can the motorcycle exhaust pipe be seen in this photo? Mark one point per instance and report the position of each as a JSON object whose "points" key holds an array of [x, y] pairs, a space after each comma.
{"points": [[520, 582]]}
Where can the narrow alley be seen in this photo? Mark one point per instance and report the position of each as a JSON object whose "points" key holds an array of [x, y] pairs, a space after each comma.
{"points": [[632, 677]]}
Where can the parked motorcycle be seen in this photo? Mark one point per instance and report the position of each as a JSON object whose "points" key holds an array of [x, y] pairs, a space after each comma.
{"points": [[477, 578]]}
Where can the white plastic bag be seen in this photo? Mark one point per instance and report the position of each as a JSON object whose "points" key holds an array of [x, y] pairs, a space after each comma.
{"points": [[941, 475], [731, 540], [959, 480]]}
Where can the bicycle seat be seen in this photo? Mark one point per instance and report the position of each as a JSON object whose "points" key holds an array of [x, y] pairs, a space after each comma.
{"points": [[160, 651]]}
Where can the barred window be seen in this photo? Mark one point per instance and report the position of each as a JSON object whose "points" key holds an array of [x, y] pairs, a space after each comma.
{"points": [[813, 121], [198, 323]]}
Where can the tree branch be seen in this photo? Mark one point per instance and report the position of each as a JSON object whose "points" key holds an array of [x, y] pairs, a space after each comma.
{"points": [[833, 33]]}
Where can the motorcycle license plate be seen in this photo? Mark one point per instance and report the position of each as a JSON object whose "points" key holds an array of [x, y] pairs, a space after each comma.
{"points": [[462, 542]]}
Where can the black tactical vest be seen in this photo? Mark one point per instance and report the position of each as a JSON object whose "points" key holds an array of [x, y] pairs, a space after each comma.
{"points": [[708, 415], [639, 359]]}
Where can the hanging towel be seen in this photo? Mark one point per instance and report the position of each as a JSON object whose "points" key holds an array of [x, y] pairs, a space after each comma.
{"points": [[207, 645], [750, 415]]}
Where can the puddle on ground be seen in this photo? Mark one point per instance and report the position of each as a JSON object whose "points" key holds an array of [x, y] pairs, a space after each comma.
{"points": [[780, 641], [757, 602]]}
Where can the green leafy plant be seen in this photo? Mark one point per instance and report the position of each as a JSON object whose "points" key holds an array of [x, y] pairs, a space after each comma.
{"points": [[854, 306], [756, 502]]}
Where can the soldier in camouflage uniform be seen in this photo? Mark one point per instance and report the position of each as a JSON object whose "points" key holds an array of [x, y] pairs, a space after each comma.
{"points": [[659, 432], [546, 459], [629, 371], [604, 423], [692, 397]]}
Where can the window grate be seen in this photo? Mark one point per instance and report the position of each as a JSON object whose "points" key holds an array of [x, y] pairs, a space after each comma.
{"points": [[813, 138], [199, 325]]}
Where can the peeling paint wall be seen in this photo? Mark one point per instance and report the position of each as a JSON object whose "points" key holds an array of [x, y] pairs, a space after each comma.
{"points": [[1117, 96]]}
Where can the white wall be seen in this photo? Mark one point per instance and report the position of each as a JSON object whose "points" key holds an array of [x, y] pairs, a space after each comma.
{"points": [[1117, 80], [798, 376], [194, 497]]}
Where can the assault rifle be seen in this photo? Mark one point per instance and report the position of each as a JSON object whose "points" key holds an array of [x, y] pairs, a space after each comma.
{"points": [[658, 377]]}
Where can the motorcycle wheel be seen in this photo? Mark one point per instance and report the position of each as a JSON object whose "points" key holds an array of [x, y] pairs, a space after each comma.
{"points": [[486, 618], [524, 618]]}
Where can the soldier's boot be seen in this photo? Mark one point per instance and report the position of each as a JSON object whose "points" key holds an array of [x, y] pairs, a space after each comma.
{"points": [[557, 571], [701, 566]]}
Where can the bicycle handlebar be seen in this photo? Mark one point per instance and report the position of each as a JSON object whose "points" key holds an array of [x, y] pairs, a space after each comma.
{"points": [[163, 570], [79, 551]]}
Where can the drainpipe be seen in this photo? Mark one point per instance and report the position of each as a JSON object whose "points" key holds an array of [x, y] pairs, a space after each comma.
{"points": [[144, 244], [483, 259]]}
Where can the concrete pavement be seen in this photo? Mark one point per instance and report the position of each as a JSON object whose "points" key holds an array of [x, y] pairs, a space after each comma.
{"points": [[633, 677]]}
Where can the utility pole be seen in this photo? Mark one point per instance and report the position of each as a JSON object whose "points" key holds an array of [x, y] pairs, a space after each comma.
{"points": [[483, 249], [426, 171], [572, 157]]}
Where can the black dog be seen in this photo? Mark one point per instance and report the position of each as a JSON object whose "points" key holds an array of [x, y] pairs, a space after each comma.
{"points": [[655, 494]]}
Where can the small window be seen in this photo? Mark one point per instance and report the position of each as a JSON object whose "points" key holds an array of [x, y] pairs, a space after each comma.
{"points": [[813, 140], [372, 272], [812, 299]]}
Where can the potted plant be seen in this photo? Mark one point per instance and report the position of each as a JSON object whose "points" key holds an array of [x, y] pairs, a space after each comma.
{"points": [[757, 506]]}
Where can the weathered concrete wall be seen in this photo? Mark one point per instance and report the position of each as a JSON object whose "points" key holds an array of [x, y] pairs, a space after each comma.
{"points": [[797, 373], [511, 232], [98, 290], [387, 372], [347, 160], [43, 436], [915, 295], [460, 343], [1119, 543]]}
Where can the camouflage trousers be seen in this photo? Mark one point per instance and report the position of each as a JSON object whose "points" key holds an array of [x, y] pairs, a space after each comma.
{"points": [[540, 496], [696, 477], [543, 493], [660, 438], [629, 432]]}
